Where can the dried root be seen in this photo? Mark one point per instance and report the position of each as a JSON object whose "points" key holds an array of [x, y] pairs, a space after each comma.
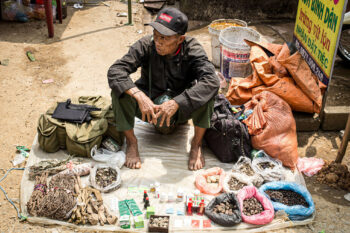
{"points": [[89, 210]]}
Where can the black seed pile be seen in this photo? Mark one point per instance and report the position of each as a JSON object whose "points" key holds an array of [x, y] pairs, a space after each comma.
{"points": [[286, 197], [252, 206]]}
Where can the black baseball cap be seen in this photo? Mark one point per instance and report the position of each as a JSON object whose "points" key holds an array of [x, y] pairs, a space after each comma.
{"points": [[170, 21]]}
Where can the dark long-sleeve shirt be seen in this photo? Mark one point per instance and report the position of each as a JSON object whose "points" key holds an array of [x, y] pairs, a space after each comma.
{"points": [[176, 73]]}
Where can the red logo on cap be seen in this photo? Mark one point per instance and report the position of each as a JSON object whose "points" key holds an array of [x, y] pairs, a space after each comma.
{"points": [[165, 17]]}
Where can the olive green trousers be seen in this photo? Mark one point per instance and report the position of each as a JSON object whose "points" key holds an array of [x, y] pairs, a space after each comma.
{"points": [[125, 110]]}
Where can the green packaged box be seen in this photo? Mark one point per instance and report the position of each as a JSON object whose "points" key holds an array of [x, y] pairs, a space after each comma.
{"points": [[150, 211], [124, 221], [138, 221]]}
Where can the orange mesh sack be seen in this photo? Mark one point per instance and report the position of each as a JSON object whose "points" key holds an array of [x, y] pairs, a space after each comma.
{"points": [[206, 184], [272, 127]]}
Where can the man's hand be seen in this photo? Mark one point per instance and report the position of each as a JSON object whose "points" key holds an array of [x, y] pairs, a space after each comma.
{"points": [[147, 107], [166, 110]]}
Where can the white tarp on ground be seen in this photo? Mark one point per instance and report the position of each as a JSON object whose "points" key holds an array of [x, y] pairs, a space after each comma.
{"points": [[164, 159]]}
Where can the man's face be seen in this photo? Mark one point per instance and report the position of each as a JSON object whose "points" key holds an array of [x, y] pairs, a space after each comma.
{"points": [[167, 45]]}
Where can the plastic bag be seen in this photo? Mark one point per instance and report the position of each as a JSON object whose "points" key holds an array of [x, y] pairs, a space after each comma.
{"points": [[113, 186], [258, 219], [220, 218], [262, 166], [204, 187], [240, 177], [272, 128], [297, 212], [310, 166], [244, 166], [106, 156], [77, 169]]}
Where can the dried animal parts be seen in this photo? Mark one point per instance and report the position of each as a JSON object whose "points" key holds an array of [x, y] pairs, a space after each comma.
{"points": [[39, 192], [213, 179], [105, 176], [52, 167], [287, 197], [55, 202], [235, 184], [162, 222], [335, 175], [90, 208], [252, 206], [225, 208]]}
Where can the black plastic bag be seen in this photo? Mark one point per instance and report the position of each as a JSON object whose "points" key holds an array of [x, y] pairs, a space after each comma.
{"points": [[220, 218]]}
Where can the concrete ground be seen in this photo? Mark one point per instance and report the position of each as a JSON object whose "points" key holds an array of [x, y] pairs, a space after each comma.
{"points": [[77, 59]]}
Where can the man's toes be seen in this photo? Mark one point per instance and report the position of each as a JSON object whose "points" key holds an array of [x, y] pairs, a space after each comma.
{"points": [[138, 165]]}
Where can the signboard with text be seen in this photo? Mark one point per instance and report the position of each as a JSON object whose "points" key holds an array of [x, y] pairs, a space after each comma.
{"points": [[316, 34]]}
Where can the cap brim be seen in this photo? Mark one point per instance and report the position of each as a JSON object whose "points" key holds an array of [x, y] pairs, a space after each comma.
{"points": [[162, 29]]}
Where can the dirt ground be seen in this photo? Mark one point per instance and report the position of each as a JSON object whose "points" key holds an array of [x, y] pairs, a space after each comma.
{"points": [[77, 59]]}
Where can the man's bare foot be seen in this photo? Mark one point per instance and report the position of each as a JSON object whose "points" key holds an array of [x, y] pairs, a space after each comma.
{"points": [[133, 160], [196, 160]]}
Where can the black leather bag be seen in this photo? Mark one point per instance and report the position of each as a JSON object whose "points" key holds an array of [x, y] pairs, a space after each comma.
{"points": [[227, 137]]}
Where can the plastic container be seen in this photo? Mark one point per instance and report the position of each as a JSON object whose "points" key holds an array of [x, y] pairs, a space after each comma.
{"points": [[234, 52], [214, 29]]}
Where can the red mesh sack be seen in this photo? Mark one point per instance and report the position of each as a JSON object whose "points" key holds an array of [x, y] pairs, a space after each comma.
{"points": [[272, 128]]}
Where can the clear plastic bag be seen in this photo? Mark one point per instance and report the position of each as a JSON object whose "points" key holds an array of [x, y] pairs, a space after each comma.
{"points": [[106, 156], [240, 177], [270, 169], [265, 216], [113, 186], [244, 167]]}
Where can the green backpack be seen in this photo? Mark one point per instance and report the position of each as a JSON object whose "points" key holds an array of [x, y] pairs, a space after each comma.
{"points": [[78, 139]]}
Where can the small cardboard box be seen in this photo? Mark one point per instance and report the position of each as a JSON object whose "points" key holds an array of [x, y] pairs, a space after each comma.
{"points": [[138, 221], [158, 229], [124, 221], [150, 211]]}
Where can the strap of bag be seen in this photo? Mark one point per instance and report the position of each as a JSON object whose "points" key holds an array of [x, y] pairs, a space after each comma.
{"points": [[149, 77]]}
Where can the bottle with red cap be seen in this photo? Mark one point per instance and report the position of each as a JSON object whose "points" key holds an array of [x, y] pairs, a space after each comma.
{"points": [[189, 207], [145, 195]]}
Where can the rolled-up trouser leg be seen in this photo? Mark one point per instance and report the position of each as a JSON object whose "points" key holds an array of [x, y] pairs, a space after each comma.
{"points": [[201, 117], [125, 109]]}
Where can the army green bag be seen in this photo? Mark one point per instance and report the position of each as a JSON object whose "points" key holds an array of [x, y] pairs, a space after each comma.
{"points": [[79, 139]]}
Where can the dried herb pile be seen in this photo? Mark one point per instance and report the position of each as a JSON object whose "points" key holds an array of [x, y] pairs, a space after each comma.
{"points": [[252, 206]]}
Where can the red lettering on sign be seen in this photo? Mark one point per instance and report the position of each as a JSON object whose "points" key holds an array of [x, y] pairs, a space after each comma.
{"points": [[165, 17]]}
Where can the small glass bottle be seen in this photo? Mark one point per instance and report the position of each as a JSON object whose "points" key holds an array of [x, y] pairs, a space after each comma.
{"points": [[189, 207], [201, 208]]}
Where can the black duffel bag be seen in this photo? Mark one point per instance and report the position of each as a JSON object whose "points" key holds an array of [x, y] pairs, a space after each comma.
{"points": [[227, 137]]}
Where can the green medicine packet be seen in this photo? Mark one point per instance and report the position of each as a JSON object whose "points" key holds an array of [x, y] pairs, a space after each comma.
{"points": [[123, 208], [135, 210]]}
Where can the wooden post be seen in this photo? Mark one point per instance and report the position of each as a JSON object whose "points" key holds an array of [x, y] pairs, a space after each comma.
{"points": [[59, 10], [49, 19], [344, 143], [129, 13]]}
